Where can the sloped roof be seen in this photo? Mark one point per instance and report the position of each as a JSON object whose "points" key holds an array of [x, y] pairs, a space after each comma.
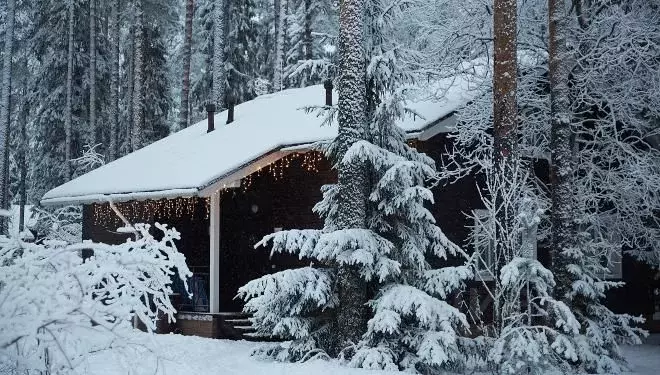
{"points": [[188, 161]]}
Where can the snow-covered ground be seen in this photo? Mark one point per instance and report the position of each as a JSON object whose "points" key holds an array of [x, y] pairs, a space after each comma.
{"points": [[176, 354]]}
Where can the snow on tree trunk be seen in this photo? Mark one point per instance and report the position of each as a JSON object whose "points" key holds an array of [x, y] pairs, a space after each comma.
{"points": [[68, 116], [5, 110], [352, 178], [219, 74], [308, 41], [187, 52], [113, 151], [280, 32], [137, 130], [91, 130], [560, 62]]}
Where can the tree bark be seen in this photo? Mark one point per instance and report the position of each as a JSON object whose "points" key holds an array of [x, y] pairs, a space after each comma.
{"points": [[280, 32], [5, 111], [22, 158], [68, 111], [352, 181], [308, 42], [187, 51], [561, 171], [505, 117], [219, 74], [113, 151], [91, 132], [138, 96]]}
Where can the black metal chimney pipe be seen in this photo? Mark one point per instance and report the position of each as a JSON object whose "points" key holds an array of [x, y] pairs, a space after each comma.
{"points": [[210, 110], [328, 91], [230, 109]]}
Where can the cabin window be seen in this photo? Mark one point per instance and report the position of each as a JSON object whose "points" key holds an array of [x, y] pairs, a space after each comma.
{"points": [[484, 244]]}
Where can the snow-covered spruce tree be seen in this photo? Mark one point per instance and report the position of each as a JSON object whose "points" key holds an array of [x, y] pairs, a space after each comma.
{"points": [[240, 51], [411, 326], [312, 24], [57, 307]]}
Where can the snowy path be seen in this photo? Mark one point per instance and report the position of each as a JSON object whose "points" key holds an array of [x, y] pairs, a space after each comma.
{"points": [[175, 354]]}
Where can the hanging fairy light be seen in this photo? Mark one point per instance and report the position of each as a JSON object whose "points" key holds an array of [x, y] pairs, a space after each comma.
{"points": [[152, 210]]}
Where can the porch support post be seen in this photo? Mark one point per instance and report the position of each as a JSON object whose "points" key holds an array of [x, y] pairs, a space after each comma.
{"points": [[214, 266]]}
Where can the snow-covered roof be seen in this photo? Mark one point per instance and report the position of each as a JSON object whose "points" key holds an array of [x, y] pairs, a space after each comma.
{"points": [[190, 161]]}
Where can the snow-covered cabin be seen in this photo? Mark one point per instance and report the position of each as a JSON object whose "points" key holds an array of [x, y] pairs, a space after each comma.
{"points": [[225, 186]]}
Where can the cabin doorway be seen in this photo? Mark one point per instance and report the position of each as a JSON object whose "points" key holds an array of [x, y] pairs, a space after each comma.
{"points": [[246, 219]]}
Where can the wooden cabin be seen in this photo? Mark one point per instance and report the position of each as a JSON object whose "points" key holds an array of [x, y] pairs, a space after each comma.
{"points": [[226, 185]]}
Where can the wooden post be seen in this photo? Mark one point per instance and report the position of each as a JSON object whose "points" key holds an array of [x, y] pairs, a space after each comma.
{"points": [[214, 266]]}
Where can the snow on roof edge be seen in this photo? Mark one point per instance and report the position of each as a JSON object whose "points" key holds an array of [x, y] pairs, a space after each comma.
{"points": [[121, 197]]}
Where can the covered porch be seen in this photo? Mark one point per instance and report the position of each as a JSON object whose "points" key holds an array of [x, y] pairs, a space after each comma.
{"points": [[219, 231]]}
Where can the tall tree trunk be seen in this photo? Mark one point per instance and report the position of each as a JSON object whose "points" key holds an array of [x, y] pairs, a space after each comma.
{"points": [[91, 132], [187, 51], [113, 151], [22, 158], [505, 113], [280, 32], [137, 135], [127, 132], [308, 42], [5, 111], [68, 111], [560, 143], [219, 74], [352, 182]]}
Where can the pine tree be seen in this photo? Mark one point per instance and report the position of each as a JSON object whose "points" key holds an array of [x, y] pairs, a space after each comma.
{"points": [[240, 51], [138, 96], [221, 13], [114, 29], [5, 93], [505, 118], [280, 7], [91, 126], [187, 51]]}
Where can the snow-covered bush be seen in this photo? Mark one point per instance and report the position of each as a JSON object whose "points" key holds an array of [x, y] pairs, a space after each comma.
{"points": [[56, 307], [58, 224], [538, 332]]}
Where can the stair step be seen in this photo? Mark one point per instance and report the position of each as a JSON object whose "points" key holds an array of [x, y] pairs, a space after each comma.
{"points": [[239, 322], [245, 329], [236, 315]]}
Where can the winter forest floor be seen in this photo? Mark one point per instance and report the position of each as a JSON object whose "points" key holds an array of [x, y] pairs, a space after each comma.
{"points": [[176, 354]]}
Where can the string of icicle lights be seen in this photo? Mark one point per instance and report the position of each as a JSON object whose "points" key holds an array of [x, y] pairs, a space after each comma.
{"points": [[152, 210]]}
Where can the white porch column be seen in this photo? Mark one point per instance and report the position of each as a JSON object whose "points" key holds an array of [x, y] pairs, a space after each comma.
{"points": [[214, 266]]}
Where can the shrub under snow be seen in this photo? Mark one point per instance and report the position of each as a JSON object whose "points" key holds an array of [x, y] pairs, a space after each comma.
{"points": [[56, 307]]}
